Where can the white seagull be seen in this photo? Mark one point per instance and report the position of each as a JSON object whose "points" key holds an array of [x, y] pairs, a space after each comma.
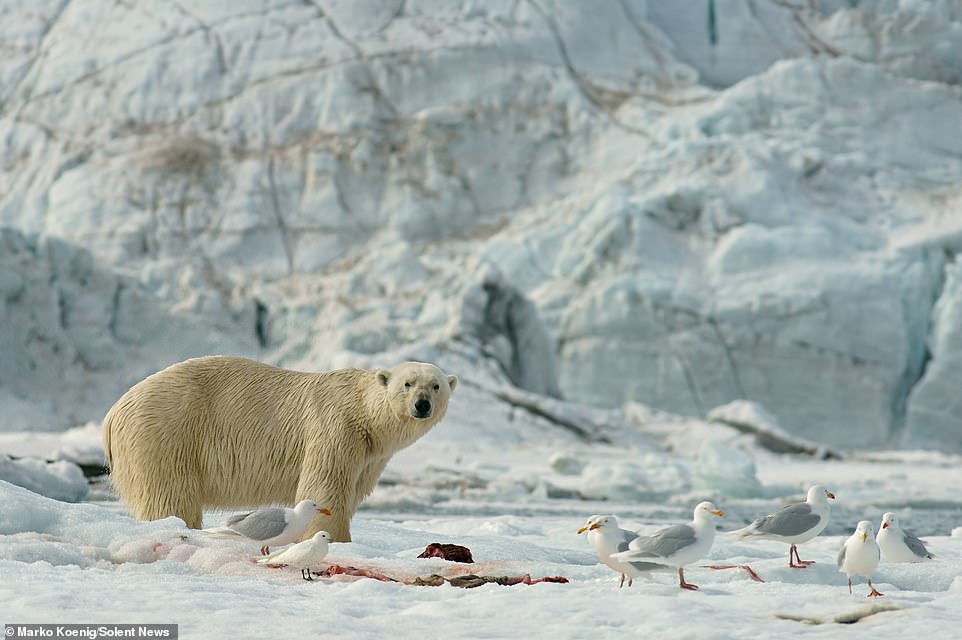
{"points": [[794, 524], [302, 555], [607, 538], [860, 555], [271, 526], [898, 545], [677, 545]]}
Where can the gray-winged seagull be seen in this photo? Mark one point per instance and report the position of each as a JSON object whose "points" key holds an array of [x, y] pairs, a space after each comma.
{"points": [[794, 524], [271, 526], [898, 545], [607, 538], [677, 545]]}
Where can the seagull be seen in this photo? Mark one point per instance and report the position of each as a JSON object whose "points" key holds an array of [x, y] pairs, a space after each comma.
{"points": [[860, 555], [794, 524], [271, 526], [607, 538], [302, 555], [677, 545], [898, 545]]}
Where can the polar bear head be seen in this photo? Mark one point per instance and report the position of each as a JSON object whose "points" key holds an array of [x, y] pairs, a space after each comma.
{"points": [[418, 390]]}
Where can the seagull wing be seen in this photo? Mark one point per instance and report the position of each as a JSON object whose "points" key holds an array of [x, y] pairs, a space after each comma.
{"points": [[664, 543], [237, 517], [791, 520], [624, 545], [262, 524], [915, 545]]}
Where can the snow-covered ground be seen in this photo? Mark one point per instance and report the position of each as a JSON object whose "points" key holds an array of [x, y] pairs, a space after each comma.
{"points": [[97, 567], [517, 507]]}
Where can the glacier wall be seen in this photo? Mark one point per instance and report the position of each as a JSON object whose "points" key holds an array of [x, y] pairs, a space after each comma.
{"points": [[680, 204]]}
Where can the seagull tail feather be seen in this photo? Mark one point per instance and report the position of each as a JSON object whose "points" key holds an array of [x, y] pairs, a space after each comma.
{"points": [[745, 532]]}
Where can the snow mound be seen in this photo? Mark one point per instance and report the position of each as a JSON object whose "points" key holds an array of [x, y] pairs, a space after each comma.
{"points": [[727, 471], [37, 528], [82, 445], [654, 477], [60, 480], [753, 418]]}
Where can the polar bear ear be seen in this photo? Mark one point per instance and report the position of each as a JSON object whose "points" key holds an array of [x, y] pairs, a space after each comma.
{"points": [[452, 381], [383, 375]]}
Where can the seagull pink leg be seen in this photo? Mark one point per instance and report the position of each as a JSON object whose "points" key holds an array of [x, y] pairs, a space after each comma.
{"points": [[683, 584], [794, 561], [744, 567], [791, 558], [874, 593]]}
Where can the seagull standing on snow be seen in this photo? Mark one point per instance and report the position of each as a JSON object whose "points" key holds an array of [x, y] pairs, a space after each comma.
{"points": [[678, 545], [271, 526], [302, 555], [860, 555], [794, 524], [607, 538], [898, 545]]}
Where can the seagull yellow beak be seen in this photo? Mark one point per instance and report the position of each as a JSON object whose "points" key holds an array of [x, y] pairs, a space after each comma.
{"points": [[829, 495], [885, 525], [864, 537], [719, 513], [582, 530], [594, 525], [324, 510]]}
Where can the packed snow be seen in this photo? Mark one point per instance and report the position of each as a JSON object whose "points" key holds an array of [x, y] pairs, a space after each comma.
{"points": [[93, 563], [515, 498]]}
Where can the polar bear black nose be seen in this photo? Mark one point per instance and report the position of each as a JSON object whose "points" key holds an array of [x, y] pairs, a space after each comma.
{"points": [[422, 407]]}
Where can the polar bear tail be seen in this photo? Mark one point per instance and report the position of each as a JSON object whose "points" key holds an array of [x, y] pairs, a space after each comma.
{"points": [[110, 464]]}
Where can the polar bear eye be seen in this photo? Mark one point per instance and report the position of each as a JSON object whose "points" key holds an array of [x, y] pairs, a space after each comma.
{"points": [[437, 387], [407, 385]]}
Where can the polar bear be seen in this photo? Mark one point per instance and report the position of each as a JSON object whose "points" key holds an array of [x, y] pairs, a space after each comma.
{"points": [[230, 432]]}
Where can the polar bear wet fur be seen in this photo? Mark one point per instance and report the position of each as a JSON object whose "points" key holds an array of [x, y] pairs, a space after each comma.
{"points": [[230, 432]]}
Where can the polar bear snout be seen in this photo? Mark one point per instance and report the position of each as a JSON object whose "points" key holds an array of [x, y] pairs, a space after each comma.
{"points": [[422, 409]]}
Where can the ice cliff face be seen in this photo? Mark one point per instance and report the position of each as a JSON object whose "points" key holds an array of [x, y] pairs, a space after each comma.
{"points": [[607, 202]]}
